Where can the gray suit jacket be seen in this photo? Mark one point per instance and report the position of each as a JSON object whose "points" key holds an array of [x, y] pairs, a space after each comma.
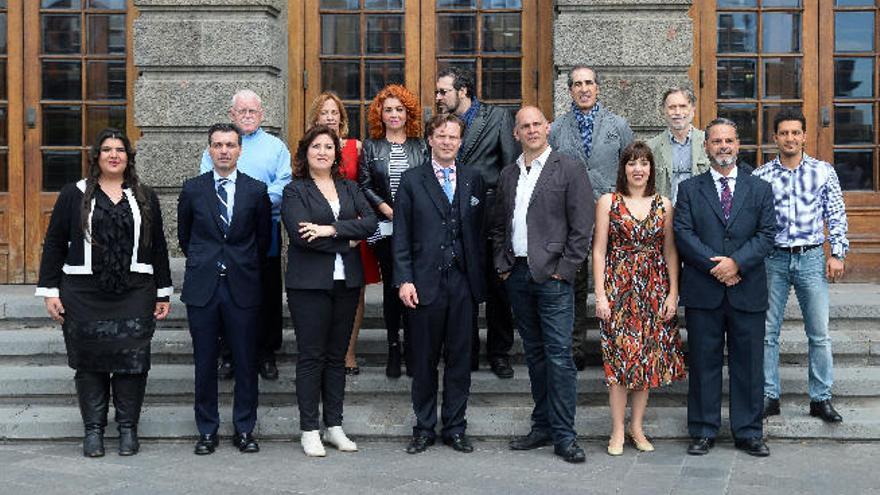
{"points": [[662, 149], [611, 134]]}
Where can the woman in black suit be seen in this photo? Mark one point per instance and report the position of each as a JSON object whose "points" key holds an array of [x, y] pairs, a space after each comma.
{"points": [[394, 146], [324, 215]]}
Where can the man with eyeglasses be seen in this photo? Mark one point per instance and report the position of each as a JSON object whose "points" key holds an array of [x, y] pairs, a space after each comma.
{"points": [[593, 135], [266, 158], [486, 146]]}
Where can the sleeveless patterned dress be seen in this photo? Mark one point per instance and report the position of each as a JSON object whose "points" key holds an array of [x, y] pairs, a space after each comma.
{"points": [[639, 349]]}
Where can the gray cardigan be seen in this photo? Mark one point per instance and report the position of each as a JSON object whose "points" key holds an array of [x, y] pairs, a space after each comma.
{"points": [[611, 134]]}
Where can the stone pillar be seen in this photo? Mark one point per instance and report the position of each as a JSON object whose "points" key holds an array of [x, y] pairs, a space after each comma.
{"points": [[638, 47], [191, 56]]}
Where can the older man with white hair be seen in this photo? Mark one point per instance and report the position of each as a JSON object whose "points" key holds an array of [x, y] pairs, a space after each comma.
{"points": [[266, 158]]}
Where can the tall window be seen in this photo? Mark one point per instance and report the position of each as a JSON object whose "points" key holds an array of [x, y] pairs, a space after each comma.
{"points": [[4, 103]]}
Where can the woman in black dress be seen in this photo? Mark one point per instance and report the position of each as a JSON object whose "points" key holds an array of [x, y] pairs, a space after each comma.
{"points": [[105, 277]]}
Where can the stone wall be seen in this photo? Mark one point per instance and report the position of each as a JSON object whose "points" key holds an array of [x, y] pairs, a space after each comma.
{"points": [[638, 47], [191, 56]]}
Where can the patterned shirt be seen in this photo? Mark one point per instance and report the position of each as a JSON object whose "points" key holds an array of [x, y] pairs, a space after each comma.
{"points": [[438, 171], [806, 200], [397, 165]]}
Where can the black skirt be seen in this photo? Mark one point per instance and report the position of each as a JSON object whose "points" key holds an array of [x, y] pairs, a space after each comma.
{"points": [[108, 332]]}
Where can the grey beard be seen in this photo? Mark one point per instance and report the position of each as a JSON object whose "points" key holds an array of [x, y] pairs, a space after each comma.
{"points": [[725, 163]]}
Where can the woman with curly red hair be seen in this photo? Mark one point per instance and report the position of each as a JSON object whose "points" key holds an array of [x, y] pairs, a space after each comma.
{"points": [[395, 145]]}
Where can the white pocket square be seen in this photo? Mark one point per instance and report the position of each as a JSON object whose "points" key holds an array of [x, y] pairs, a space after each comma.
{"points": [[474, 201]]}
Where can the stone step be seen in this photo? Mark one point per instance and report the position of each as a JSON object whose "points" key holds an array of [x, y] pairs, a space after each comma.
{"points": [[393, 419], [174, 383]]}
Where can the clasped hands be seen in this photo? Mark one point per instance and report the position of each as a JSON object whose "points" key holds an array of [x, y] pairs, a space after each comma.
{"points": [[726, 271], [311, 231]]}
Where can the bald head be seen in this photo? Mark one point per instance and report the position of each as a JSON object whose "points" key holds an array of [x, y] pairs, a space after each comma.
{"points": [[532, 131]]}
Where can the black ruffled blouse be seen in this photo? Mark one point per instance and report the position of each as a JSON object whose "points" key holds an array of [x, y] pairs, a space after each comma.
{"points": [[112, 242]]}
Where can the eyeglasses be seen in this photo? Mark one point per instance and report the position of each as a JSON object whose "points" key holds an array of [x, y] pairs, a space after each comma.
{"points": [[245, 112], [442, 92]]}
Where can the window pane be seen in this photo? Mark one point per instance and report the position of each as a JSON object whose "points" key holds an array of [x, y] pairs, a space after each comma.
{"points": [[768, 155], [737, 3], [61, 167], [3, 33], [106, 80], [61, 80], [448, 4], [354, 120], [502, 4], [855, 169], [746, 117], [385, 34], [782, 78], [107, 34], [340, 4], [736, 78], [781, 3], [461, 33], [2, 79], [749, 157], [107, 4], [854, 124], [502, 33], [853, 3], [737, 32], [101, 117], [383, 4], [4, 117], [853, 31], [770, 112], [343, 77], [501, 79], [61, 33], [781, 32], [381, 73], [4, 172], [853, 77], [340, 34], [60, 4], [62, 125]]}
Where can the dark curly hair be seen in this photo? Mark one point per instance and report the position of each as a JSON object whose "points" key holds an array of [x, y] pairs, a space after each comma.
{"points": [[130, 180], [410, 102], [300, 159], [636, 150]]}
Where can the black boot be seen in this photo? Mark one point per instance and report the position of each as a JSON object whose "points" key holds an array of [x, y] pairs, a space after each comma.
{"points": [[392, 368], [128, 398], [93, 393]]}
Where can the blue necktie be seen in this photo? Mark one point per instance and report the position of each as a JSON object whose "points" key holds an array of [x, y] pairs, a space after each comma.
{"points": [[223, 205], [447, 183]]}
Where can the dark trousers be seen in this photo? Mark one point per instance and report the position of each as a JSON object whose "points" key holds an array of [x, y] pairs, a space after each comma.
{"points": [[322, 321], [499, 319], [744, 332], [581, 317], [444, 325], [392, 307], [545, 314], [238, 326]]}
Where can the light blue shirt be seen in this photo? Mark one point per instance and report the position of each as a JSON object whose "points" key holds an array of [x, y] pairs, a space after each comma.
{"points": [[230, 191], [682, 162]]}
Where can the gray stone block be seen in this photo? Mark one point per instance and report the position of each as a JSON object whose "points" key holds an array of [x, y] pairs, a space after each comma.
{"points": [[184, 6]]}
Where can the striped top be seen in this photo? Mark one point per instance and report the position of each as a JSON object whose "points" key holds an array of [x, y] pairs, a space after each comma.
{"points": [[397, 165]]}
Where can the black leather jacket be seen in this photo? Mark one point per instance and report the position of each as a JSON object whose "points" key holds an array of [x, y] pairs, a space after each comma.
{"points": [[488, 144], [373, 167]]}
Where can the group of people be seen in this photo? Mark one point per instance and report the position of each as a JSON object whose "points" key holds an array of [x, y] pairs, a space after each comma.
{"points": [[516, 212]]}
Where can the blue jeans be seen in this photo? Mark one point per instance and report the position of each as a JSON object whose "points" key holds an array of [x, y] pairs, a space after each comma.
{"points": [[806, 273], [545, 316]]}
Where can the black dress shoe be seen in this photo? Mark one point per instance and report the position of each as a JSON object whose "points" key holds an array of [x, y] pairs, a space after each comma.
{"points": [[533, 440], [269, 370], [459, 442], [701, 446], [580, 362], [206, 444], [752, 446], [225, 370], [771, 407], [501, 366], [571, 452], [419, 443], [825, 410], [246, 443]]}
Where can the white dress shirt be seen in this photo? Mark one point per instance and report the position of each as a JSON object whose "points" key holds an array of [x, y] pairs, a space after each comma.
{"points": [[731, 180], [525, 187]]}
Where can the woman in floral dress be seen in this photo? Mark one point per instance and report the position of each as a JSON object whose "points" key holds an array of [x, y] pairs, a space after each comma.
{"points": [[636, 267]]}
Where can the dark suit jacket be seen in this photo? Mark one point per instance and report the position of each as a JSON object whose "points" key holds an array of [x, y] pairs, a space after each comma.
{"points": [[747, 237], [559, 219], [201, 239], [421, 211], [488, 144], [310, 264], [373, 167]]}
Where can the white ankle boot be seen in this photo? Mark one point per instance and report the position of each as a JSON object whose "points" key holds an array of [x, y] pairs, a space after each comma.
{"points": [[311, 443], [336, 437]]}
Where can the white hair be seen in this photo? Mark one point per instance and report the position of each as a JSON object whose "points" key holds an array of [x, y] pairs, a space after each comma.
{"points": [[245, 93]]}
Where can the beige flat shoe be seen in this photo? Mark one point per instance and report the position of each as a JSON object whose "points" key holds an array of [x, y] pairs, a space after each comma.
{"points": [[615, 450], [645, 446]]}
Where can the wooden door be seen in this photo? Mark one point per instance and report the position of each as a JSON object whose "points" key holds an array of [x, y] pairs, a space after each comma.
{"points": [[12, 246]]}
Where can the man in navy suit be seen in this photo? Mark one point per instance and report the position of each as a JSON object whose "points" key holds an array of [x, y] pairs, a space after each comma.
{"points": [[724, 227], [224, 229], [439, 269]]}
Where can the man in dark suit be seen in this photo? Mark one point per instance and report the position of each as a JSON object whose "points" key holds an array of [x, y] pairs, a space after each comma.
{"points": [[224, 228], [541, 230], [439, 269], [487, 146], [724, 226]]}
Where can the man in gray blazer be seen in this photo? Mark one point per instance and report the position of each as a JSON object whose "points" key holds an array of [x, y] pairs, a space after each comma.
{"points": [[596, 137], [678, 151]]}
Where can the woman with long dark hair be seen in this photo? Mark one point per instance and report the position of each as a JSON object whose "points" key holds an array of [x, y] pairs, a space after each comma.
{"points": [[326, 216], [395, 145], [105, 277]]}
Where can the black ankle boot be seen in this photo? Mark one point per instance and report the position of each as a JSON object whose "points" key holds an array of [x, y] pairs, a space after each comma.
{"points": [[128, 398], [93, 393], [128, 440], [392, 368], [93, 442]]}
